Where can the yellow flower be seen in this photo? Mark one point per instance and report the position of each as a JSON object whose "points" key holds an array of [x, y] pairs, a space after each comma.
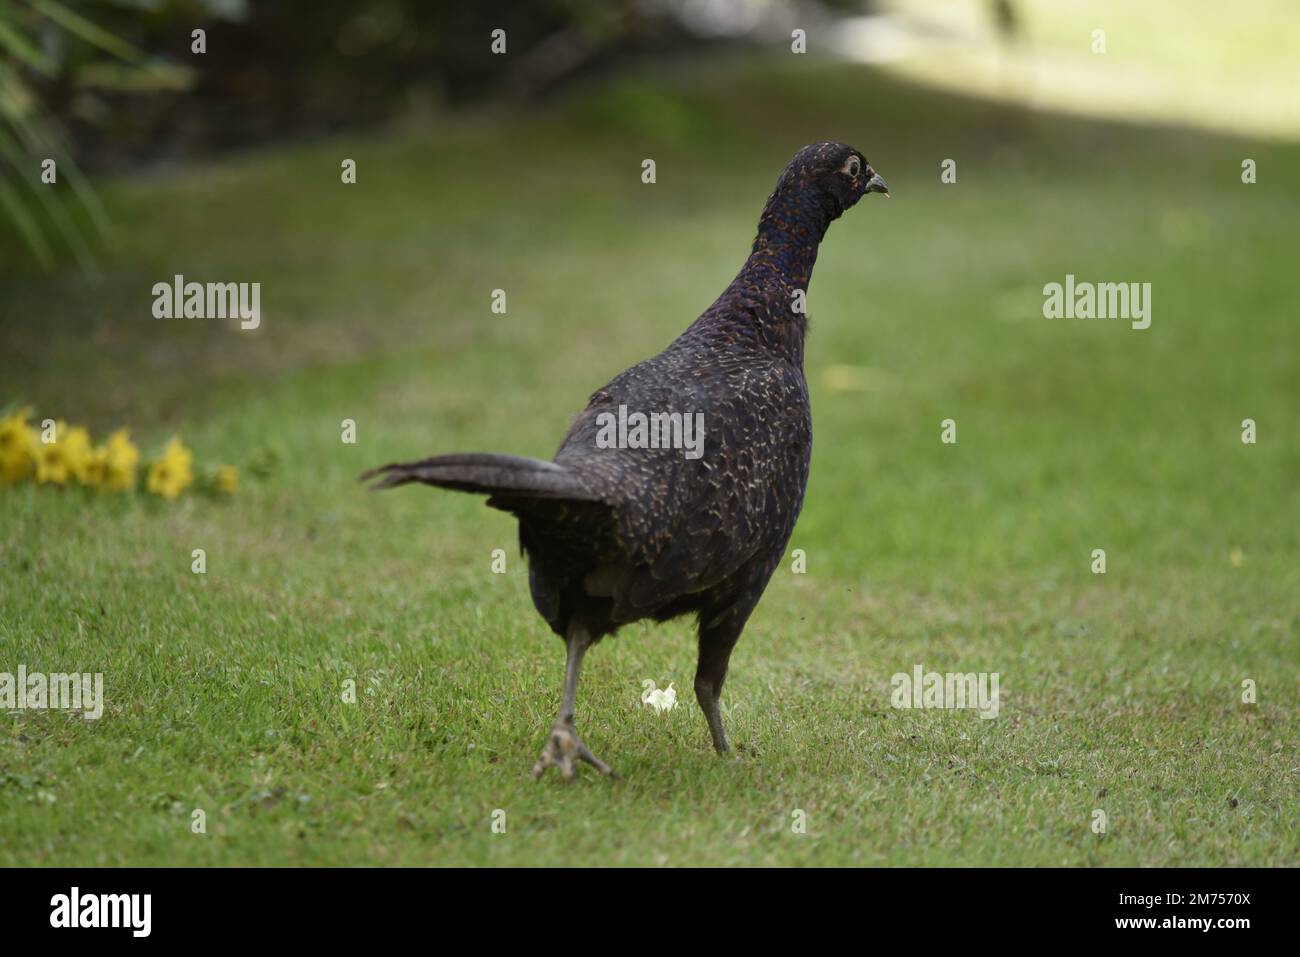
{"points": [[17, 447], [66, 457], [120, 459], [227, 479], [96, 467], [173, 472]]}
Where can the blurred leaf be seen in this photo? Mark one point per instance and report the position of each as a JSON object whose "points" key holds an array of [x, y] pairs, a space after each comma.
{"points": [[18, 46], [26, 223], [88, 197], [155, 77], [80, 27], [16, 97], [55, 208]]}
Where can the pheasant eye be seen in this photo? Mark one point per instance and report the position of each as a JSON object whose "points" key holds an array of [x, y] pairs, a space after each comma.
{"points": [[853, 167]]}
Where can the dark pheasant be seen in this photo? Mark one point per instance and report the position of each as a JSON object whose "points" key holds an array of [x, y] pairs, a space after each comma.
{"points": [[614, 535]]}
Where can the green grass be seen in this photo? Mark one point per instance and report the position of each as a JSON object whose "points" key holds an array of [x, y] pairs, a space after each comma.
{"points": [[1119, 692]]}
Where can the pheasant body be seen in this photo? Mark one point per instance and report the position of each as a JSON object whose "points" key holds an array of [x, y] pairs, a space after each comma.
{"points": [[616, 535]]}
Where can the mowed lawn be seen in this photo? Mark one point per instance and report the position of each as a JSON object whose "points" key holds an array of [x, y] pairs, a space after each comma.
{"points": [[1120, 693]]}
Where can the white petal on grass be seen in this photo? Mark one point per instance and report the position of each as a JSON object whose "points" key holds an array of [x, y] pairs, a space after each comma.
{"points": [[661, 699]]}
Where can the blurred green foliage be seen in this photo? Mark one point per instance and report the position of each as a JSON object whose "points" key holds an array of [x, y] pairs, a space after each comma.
{"points": [[51, 54]]}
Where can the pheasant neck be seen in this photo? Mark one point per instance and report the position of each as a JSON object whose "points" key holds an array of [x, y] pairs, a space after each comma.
{"points": [[789, 232]]}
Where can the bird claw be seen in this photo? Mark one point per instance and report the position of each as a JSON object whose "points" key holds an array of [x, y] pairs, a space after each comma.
{"points": [[562, 747]]}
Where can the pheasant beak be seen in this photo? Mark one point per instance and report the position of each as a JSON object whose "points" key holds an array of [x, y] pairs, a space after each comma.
{"points": [[876, 185]]}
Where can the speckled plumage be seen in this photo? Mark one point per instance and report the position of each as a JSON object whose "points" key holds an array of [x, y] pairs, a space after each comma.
{"points": [[615, 535]]}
